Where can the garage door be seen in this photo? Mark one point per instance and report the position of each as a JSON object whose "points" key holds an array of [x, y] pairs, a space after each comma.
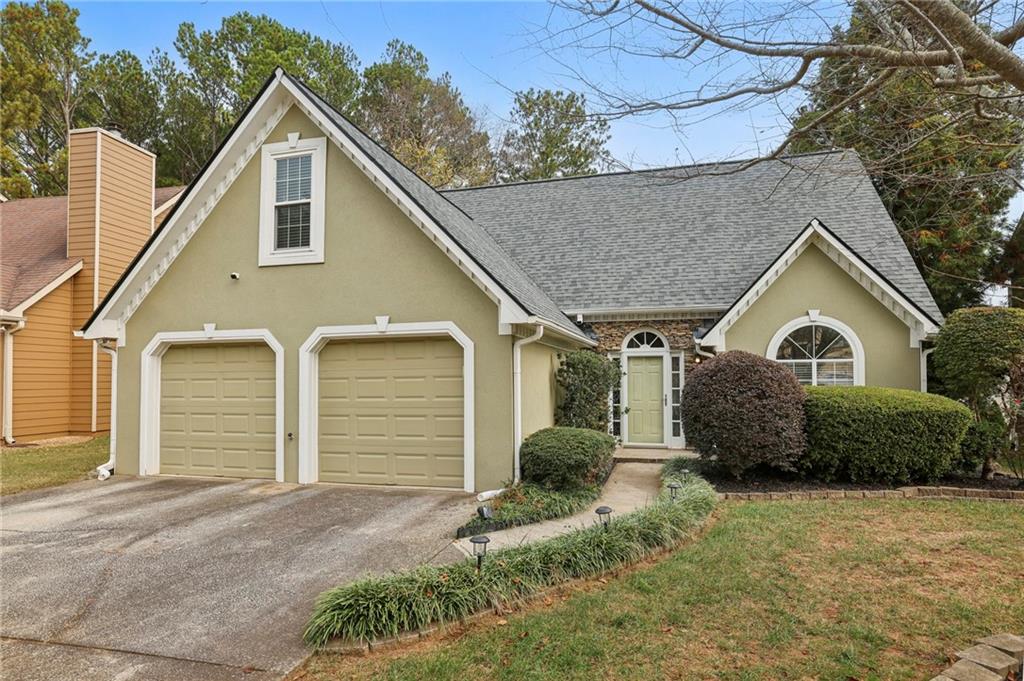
{"points": [[391, 412], [217, 410]]}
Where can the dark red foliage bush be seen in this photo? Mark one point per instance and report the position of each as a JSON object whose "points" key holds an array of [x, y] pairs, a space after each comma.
{"points": [[745, 411]]}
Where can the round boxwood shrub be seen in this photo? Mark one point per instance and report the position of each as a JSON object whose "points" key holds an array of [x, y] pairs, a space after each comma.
{"points": [[744, 410], [566, 458], [867, 434]]}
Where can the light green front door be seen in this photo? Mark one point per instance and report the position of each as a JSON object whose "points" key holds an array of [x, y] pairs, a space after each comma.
{"points": [[646, 392]]}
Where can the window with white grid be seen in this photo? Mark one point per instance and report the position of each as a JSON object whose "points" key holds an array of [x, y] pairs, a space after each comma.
{"points": [[292, 201]]}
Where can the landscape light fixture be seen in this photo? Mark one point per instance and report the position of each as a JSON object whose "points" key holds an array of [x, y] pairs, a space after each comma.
{"points": [[605, 514], [673, 489], [484, 512], [479, 543]]}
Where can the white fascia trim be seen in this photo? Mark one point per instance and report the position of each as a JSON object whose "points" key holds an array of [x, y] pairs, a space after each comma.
{"points": [[46, 290], [269, 255], [821, 320], [509, 311], [715, 337], [309, 387], [576, 335], [166, 204], [149, 398], [190, 215]]}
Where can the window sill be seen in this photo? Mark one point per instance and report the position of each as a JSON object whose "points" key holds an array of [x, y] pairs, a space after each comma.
{"points": [[302, 256]]}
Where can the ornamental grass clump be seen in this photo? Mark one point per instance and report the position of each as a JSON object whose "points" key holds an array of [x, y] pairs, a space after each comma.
{"points": [[525, 503], [383, 607]]}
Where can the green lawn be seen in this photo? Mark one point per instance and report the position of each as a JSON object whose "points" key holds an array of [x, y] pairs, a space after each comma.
{"points": [[780, 590], [25, 468]]}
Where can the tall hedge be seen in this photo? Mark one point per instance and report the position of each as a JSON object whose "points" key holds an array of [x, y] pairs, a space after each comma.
{"points": [[867, 434], [744, 410], [584, 379], [979, 357]]}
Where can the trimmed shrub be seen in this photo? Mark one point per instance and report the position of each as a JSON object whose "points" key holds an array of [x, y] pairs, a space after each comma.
{"points": [[985, 440], [380, 607], [526, 503], [584, 380], [979, 357], [566, 458], [885, 435], [744, 410]]}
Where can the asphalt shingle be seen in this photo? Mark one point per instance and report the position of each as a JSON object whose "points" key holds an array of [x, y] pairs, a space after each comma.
{"points": [[688, 237]]}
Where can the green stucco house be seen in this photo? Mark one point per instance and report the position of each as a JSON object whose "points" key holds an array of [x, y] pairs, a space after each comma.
{"points": [[312, 311]]}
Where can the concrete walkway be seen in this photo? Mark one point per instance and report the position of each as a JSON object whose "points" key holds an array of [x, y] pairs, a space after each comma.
{"points": [[631, 486]]}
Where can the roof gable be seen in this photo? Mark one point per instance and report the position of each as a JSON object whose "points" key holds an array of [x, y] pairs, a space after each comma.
{"points": [[519, 299], [919, 322]]}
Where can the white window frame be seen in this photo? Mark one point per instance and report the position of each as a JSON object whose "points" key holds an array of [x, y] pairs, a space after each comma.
{"points": [[271, 153], [812, 317]]}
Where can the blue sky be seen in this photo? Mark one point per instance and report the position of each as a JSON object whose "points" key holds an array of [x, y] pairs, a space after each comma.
{"points": [[489, 49]]}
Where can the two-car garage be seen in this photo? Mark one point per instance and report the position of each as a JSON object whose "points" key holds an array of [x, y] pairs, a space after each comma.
{"points": [[388, 410]]}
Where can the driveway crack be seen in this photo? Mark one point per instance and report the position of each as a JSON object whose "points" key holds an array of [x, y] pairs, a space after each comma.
{"points": [[158, 656]]}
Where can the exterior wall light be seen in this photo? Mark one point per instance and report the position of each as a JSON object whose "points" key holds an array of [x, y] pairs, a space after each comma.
{"points": [[673, 489], [605, 514], [479, 543]]}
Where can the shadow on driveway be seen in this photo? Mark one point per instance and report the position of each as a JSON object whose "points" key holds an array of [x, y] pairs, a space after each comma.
{"points": [[176, 578]]}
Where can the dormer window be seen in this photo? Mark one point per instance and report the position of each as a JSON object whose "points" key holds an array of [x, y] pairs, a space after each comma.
{"points": [[292, 201]]}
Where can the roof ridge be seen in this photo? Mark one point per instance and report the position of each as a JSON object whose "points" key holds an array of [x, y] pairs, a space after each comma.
{"points": [[380, 146], [661, 169]]}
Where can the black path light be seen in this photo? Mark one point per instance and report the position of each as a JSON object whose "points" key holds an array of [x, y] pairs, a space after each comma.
{"points": [[673, 489], [479, 543], [605, 514]]}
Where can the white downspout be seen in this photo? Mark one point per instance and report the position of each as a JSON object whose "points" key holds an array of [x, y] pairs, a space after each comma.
{"points": [[924, 368], [517, 394], [8, 381], [103, 471], [700, 351]]}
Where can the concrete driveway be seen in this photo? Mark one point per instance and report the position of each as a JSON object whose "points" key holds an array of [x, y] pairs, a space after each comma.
{"points": [[169, 578]]}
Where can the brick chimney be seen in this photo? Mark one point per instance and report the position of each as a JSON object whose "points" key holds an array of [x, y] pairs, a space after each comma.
{"points": [[110, 216]]}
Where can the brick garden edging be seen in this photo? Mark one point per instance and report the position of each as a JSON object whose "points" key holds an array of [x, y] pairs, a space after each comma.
{"points": [[900, 493], [993, 658]]}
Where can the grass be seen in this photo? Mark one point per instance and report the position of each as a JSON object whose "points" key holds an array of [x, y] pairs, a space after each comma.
{"points": [[775, 590], [27, 468], [526, 503], [384, 606]]}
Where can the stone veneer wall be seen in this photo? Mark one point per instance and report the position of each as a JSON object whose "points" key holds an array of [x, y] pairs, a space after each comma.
{"points": [[679, 333]]}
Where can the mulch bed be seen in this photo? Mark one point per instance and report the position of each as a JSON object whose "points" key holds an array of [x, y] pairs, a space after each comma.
{"points": [[773, 482]]}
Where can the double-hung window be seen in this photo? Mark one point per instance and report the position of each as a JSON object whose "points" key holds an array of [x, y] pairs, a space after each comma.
{"points": [[292, 202]]}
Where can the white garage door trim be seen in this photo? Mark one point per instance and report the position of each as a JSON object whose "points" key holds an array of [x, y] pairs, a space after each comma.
{"points": [[149, 413], [309, 385]]}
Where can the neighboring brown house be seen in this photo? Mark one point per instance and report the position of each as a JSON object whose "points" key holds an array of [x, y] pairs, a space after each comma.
{"points": [[58, 257]]}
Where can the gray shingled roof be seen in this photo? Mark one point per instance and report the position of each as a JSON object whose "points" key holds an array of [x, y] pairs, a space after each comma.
{"points": [[652, 239], [477, 242]]}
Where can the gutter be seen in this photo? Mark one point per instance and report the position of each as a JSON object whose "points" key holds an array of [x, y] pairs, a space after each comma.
{"points": [[9, 326], [517, 394], [924, 368], [103, 471]]}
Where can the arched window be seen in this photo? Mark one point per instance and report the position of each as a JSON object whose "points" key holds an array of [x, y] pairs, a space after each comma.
{"points": [[645, 340], [819, 353]]}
